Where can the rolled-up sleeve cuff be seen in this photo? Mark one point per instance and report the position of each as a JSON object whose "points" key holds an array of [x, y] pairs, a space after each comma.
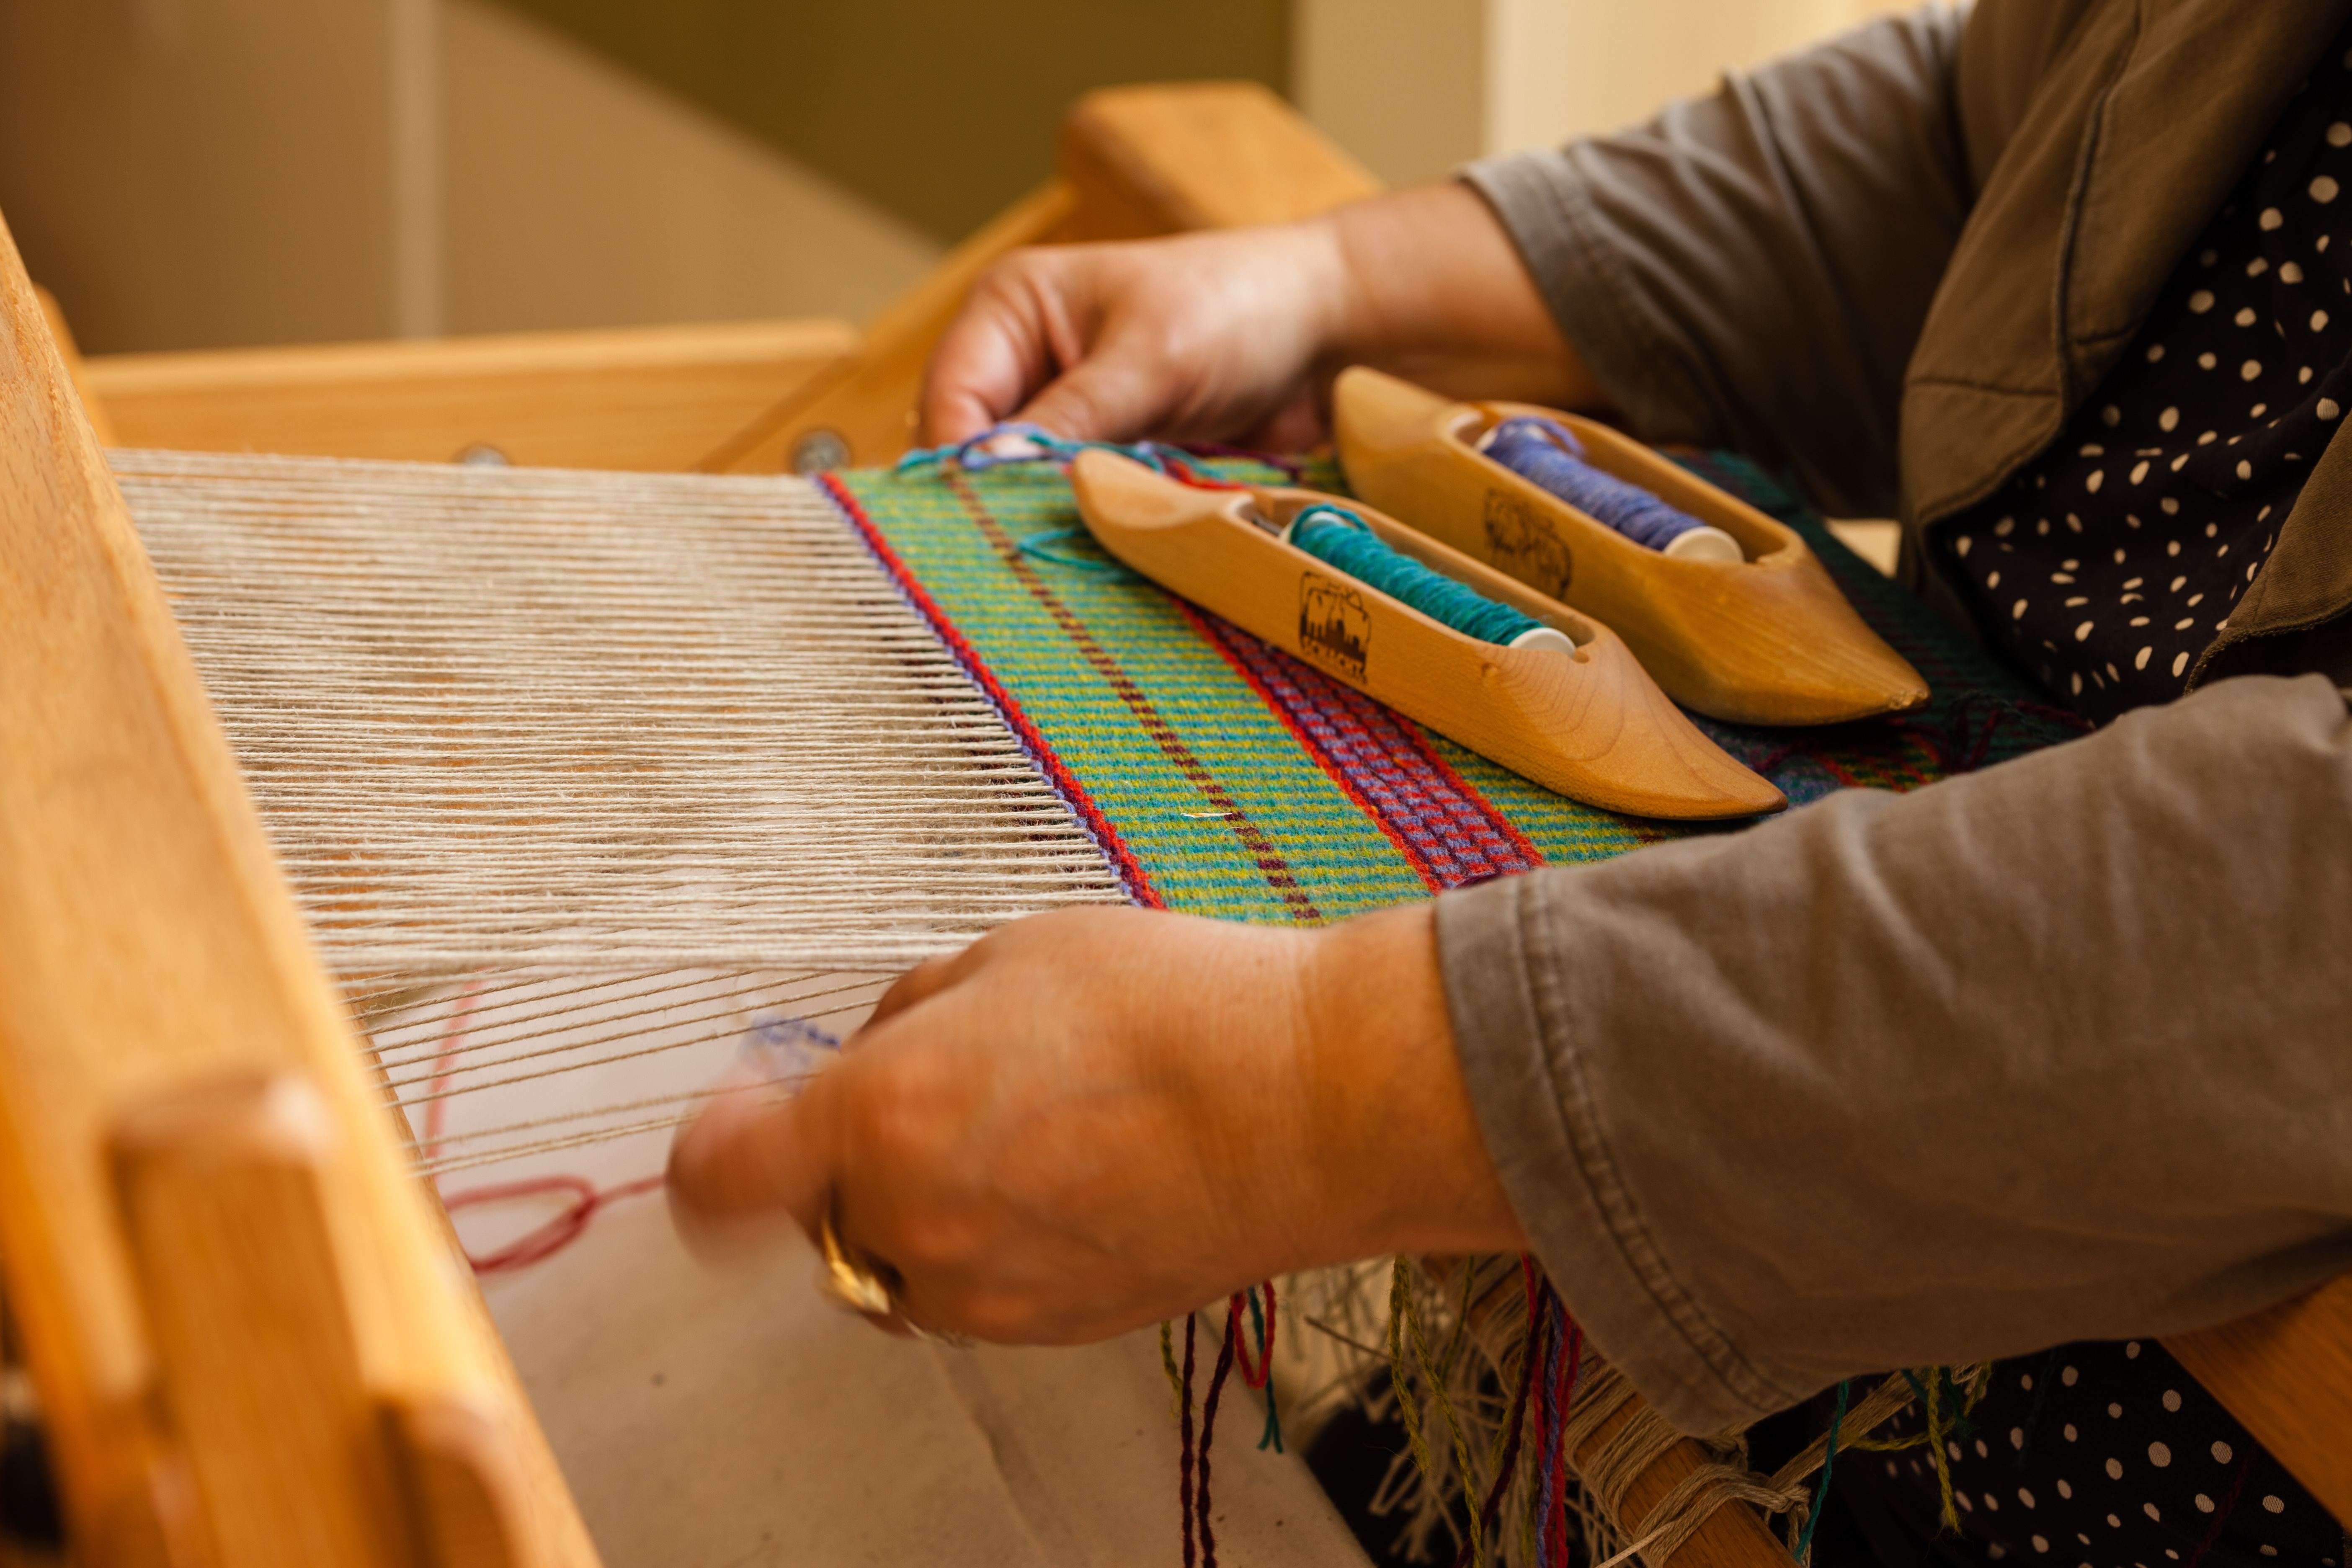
{"points": [[1547, 207], [1547, 1139]]}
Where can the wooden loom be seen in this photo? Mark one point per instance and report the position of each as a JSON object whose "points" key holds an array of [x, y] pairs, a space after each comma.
{"points": [[252, 1335]]}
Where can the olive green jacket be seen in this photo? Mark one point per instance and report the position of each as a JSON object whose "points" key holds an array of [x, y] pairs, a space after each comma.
{"points": [[2062, 1050]]}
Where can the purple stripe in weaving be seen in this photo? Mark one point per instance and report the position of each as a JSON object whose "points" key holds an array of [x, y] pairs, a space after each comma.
{"points": [[1446, 830]]}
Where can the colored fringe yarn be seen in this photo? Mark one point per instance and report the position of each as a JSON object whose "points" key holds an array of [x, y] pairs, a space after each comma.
{"points": [[1532, 1399], [1339, 539], [1547, 454], [1191, 1496]]}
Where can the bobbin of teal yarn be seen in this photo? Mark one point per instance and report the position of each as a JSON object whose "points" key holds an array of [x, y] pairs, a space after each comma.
{"points": [[1341, 539]]}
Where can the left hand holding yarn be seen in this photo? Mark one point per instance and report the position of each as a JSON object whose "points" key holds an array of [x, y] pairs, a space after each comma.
{"points": [[1097, 1119]]}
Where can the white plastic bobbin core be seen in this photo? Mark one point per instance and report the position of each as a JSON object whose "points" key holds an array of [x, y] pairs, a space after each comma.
{"points": [[1545, 637], [1704, 543]]}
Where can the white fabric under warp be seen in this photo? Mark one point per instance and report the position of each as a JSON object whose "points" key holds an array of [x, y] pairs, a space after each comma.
{"points": [[568, 721]]}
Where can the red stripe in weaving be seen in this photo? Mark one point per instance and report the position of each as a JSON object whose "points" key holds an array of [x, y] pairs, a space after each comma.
{"points": [[1137, 885]]}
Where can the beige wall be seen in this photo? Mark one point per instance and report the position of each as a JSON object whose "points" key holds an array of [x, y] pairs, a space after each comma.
{"points": [[190, 174], [575, 194], [1414, 87], [1558, 69], [1399, 83], [194, 172]]}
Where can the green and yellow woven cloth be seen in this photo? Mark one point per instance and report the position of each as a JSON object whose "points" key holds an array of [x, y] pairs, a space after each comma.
{"points": [[1223, 777]]}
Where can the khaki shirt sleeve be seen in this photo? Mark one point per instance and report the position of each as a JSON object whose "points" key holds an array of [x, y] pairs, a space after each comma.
{"points": [[2058, 1051], [1751, 269]]}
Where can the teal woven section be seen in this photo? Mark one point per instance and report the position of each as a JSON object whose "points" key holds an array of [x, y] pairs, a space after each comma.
{"points": [[1244, 785]]}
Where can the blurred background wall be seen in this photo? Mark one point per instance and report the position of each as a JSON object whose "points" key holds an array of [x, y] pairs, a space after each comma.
{"points": [[206, 172]]}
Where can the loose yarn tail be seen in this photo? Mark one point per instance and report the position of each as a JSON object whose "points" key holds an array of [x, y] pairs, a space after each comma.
{"points": [[1205, 1526]]}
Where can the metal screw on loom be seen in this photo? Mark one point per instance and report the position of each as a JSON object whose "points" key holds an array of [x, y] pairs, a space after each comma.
{"points": [[819, 451]]}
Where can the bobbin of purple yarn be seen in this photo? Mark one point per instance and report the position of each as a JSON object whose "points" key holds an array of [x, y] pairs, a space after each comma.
{"points": [[1548, 455]]}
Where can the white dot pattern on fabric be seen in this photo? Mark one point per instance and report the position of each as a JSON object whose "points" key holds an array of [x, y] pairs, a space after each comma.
{"points": [[2024, 1493], [2180, 470], [2251, 303]]}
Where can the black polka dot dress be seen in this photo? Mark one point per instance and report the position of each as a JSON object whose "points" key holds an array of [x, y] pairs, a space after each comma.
{"points": [[2107, 565], [2103, 569], [2105, 1455]]}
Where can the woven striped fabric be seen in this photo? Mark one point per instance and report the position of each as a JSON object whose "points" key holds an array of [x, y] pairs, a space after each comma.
{"points": [[1223, 777]]}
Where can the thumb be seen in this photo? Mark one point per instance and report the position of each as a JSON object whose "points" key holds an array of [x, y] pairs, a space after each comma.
{"points": [[750, 1159]]}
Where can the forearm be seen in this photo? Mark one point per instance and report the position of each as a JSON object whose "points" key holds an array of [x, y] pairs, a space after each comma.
{"points": [[1399, 1164], [1432, 288]]}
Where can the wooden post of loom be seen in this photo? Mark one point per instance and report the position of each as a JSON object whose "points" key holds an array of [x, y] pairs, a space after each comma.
{"points": [[151, 953], [2287, 1372]]}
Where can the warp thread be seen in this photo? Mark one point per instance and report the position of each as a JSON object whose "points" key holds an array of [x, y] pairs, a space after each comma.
{"points": [[1343, 541], [1536, 1361], [1506, 1466], [785, 1049], [1193, 1500], [1184, 1463], [1943, 1424], [1829, 1463], [1208, 1434], [1548, 455], [1563, 1358], [1018, 441], [557, 1233]]}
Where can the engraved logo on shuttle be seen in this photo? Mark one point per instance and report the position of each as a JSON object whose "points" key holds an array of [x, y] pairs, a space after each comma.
{"points": [[1523, 545], [1334, 627]]}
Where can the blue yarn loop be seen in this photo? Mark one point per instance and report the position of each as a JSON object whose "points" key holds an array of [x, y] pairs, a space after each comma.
{"points": [[977, 456], [1339, 539], [1821, 1493], [1547, 454], [1058, 546]]}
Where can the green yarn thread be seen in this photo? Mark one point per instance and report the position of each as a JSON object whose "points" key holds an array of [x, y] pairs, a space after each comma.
{"points": [[1339, 539]]}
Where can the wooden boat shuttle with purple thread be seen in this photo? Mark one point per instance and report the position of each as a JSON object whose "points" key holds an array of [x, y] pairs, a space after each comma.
{"points": [[1588, 724], [1767, 641]]}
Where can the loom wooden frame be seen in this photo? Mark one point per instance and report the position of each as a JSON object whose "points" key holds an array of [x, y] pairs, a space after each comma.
{"points": [[200, 1194]]}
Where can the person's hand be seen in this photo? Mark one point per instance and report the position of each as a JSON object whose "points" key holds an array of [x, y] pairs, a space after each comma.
{"points": [[1205, 336], [1236, 335], [1099, 1119]]}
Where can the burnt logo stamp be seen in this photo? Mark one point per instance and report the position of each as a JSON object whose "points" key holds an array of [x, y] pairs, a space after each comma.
{"points": [[1335, 629], [1525, 544]]}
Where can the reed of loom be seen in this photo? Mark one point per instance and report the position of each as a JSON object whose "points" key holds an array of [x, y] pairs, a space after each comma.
{"points": [[1591, 725], [1768, 641], [250, 1331]]}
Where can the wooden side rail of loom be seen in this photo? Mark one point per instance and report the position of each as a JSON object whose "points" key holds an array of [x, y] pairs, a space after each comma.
{"points": [[222, 1191], [625, 397], [2287, 1372], [247, 1327]]}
